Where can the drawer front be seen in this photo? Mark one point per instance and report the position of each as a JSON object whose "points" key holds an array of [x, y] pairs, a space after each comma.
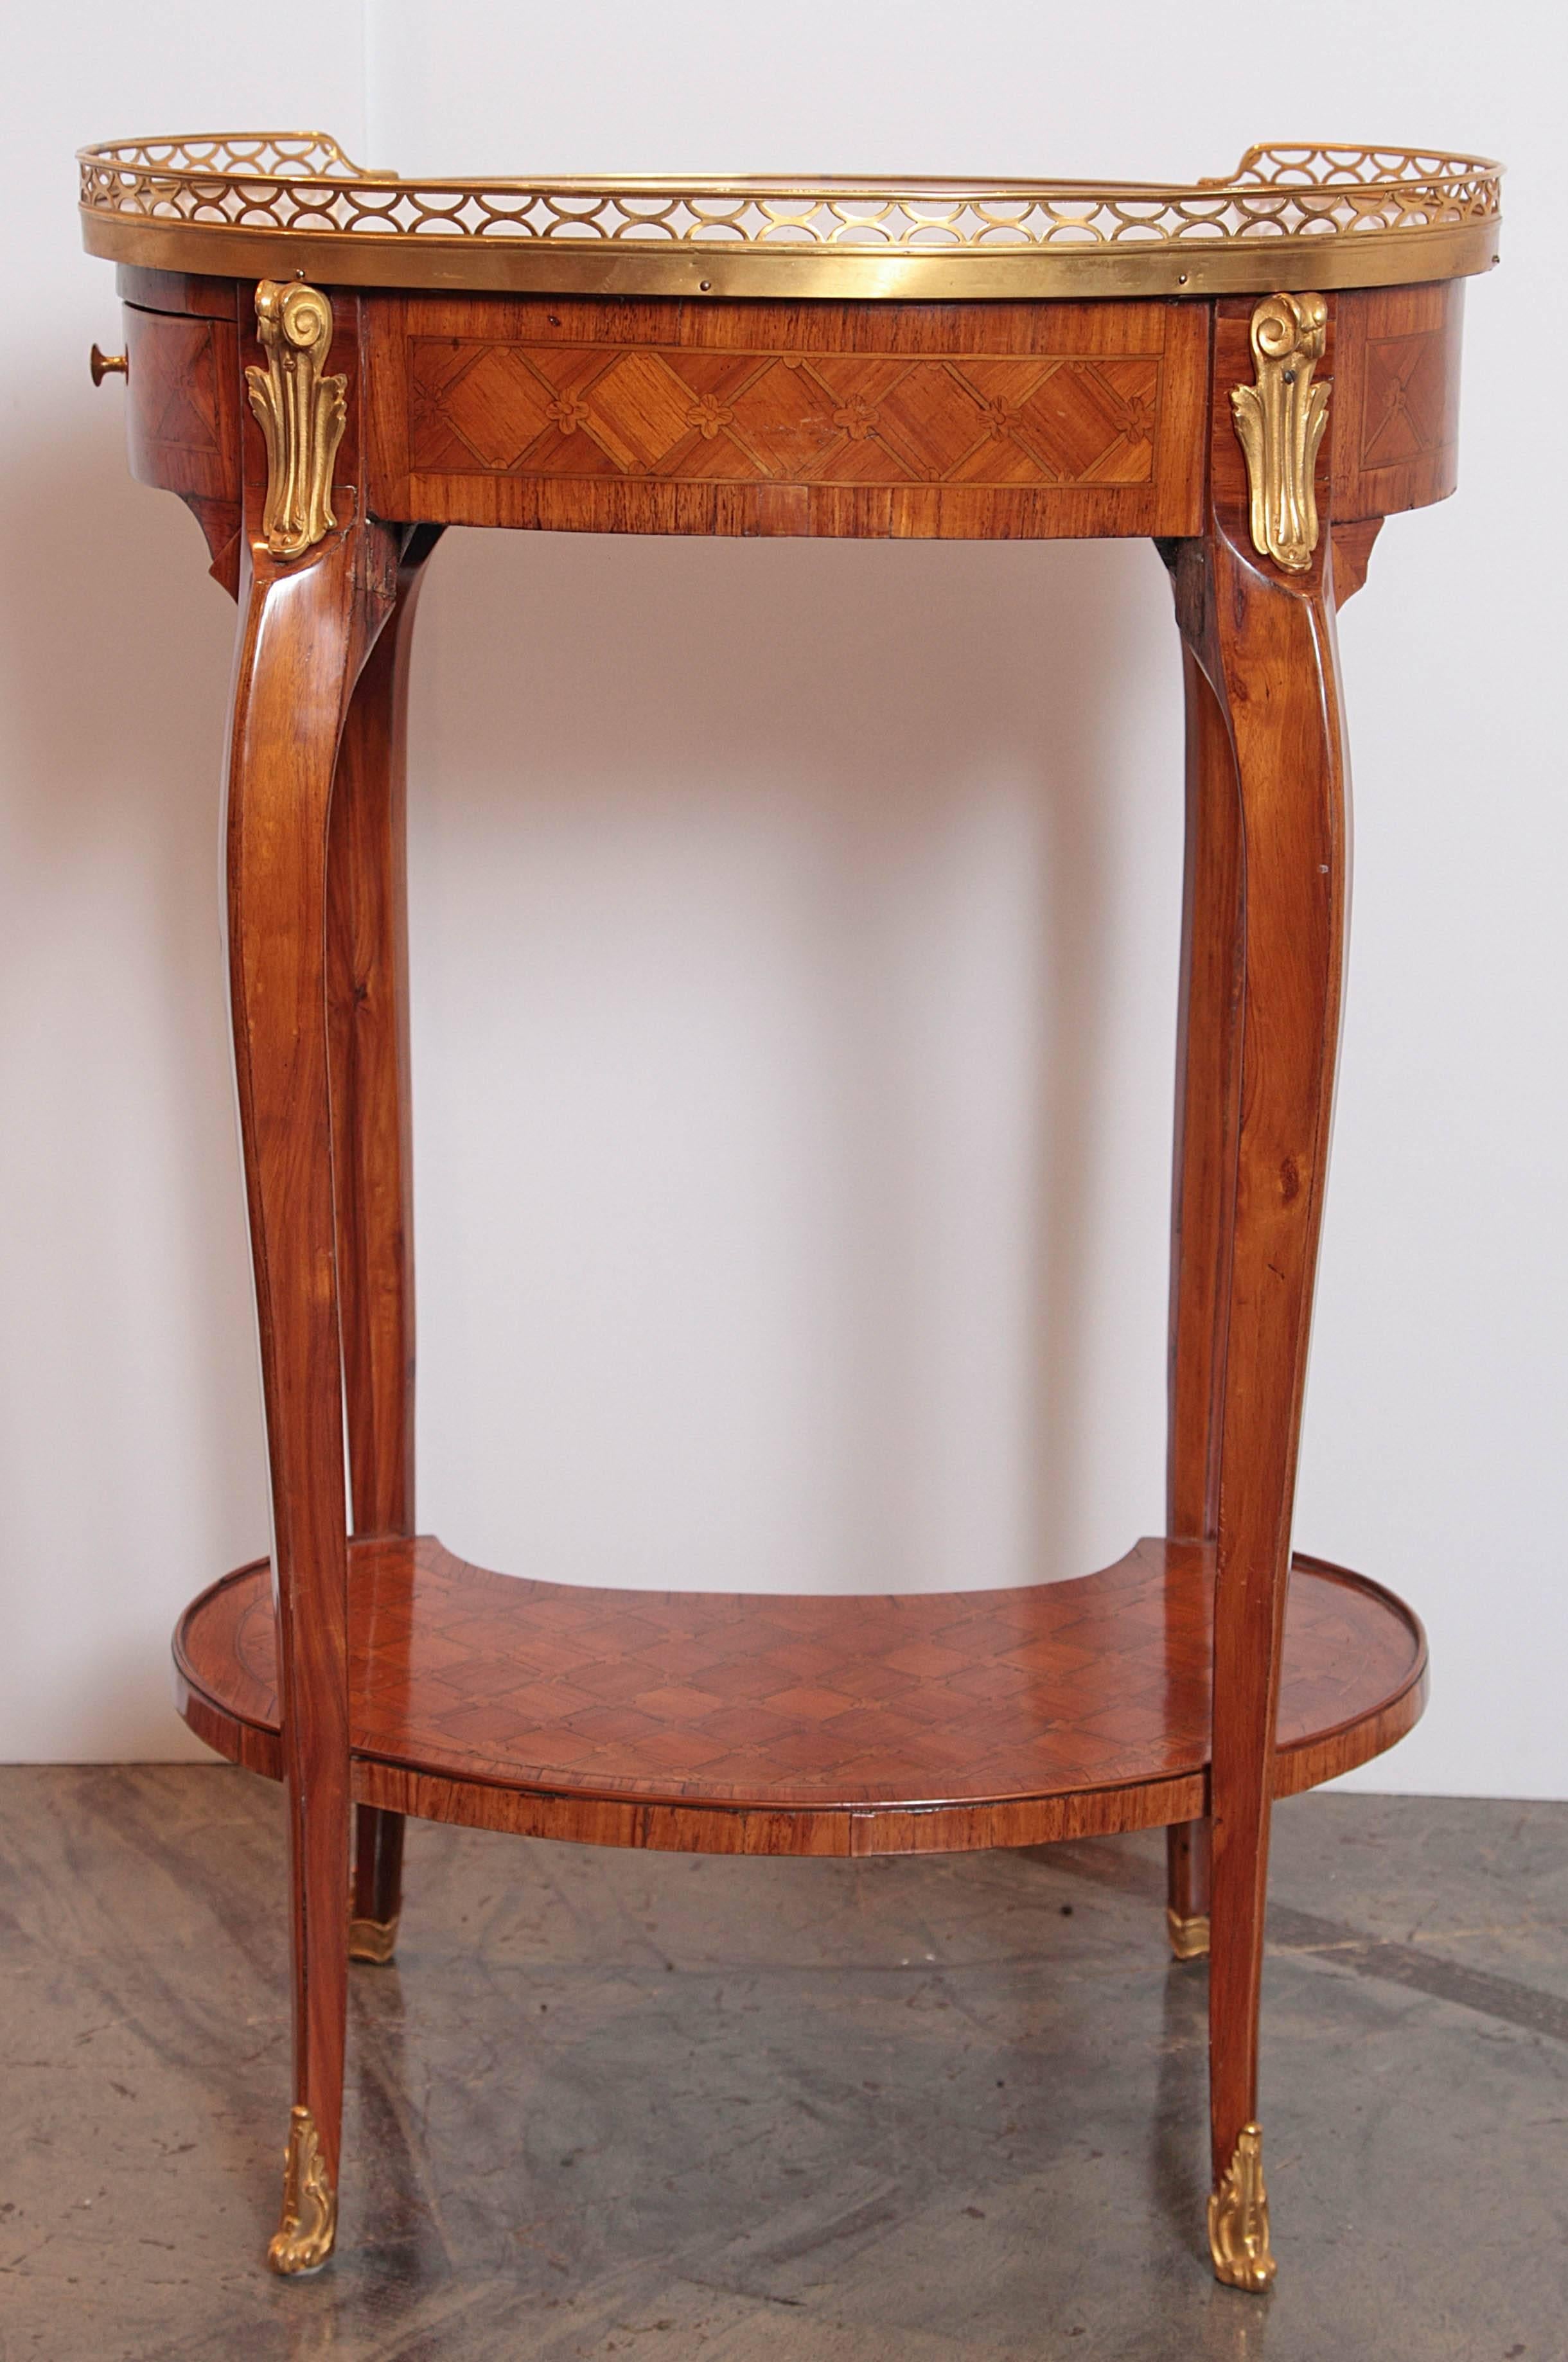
{"points": [[871, 419], [182, 421], [183, 390]]}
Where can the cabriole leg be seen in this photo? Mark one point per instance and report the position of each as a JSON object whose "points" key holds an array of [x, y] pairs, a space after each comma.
{"points": [[303, 630], [367, 946], [1265, 640], [1203, 1192]]}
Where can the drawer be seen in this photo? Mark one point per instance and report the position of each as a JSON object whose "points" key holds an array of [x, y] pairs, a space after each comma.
{"points": [[183, 390], [182, 421], [868, 419]]}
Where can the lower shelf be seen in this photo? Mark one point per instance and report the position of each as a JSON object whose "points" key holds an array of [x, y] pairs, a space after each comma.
{"points": [[724, 1723]]}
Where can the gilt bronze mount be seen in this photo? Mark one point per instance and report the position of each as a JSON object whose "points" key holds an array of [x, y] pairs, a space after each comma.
{"points": [[1238, 2218], [1188, 1934], [373, 1941], [302, 412], [1280, 421], [1349, 216], [308, 2224]]}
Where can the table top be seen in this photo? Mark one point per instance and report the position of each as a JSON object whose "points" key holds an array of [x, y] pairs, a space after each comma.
{"points": [[1290, 216]]}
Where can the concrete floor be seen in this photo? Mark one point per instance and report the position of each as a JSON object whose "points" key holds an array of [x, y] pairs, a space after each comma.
{"points": [[663, 2108]]}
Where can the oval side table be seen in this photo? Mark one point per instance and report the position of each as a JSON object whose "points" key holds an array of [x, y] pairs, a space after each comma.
{"points": [[330, 366]]}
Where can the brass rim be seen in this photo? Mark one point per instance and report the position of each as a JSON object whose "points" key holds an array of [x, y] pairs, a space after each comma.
{"points": [[278, 205]]}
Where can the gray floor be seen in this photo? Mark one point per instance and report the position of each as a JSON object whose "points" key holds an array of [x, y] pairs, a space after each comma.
{"points": [[761, 2112]]}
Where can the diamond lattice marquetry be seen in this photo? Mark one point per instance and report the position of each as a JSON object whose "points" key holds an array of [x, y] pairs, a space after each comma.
{"points": [[497, 405], [1093, 425], [669, 414], [639, 409], [795, 1703], [784, 413]]}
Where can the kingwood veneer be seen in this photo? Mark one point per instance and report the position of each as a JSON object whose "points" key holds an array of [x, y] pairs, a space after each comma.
{"points": [[329, 367]]}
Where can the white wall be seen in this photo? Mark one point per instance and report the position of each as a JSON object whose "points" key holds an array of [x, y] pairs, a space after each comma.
{"points": [[794, 926]]}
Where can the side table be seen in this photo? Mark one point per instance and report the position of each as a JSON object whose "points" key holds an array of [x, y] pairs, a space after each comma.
{"points": [[331, 366]]}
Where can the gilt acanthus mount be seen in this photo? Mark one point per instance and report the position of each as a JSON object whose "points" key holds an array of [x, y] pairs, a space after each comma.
{"points": [[1280, 420]]}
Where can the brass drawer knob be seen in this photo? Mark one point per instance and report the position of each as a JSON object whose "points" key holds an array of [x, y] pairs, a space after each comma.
{"points": [[105, 365]]}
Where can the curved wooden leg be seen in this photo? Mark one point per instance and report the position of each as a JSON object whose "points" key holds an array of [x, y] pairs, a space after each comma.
{"points": [[1203, 1192], [1266, 642], [304, 631], [367, 991]]}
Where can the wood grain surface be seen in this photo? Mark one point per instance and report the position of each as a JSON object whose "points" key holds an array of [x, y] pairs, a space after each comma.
{"points": [[372, 1137], [303, 635], [1396, 434], [182, 421], [863, 419], [1203, 1163], [802, 1706]]}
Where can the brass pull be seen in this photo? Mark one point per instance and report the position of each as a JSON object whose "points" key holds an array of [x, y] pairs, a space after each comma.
{"points": [[105, 365]]}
